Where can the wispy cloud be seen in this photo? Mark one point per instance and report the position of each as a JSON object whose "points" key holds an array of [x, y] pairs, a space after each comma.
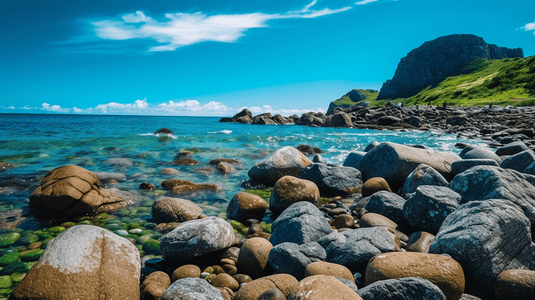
{"points": [[183, 29], [364, 2], [54, 108], [529, 27]]}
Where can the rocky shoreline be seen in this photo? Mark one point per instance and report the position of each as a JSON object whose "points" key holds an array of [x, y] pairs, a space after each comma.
{"points": [[494, 125], [393, 222]]}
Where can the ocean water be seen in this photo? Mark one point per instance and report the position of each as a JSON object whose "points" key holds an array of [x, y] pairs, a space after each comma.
{"points": [[35, 144]]}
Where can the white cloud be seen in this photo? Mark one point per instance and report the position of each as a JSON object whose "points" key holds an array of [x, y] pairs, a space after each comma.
{"points": [[183, 29], [114, 107], [54, 108], [193, 108], [11, 107], [364, 2], [284, 112], [529, 27]]}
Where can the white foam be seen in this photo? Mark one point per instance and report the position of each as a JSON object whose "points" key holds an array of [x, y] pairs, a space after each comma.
{"points": [[222, 131]]}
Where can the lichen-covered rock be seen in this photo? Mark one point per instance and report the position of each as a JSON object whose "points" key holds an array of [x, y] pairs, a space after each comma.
{"points": [[423, 175], [335, 181], [73, 190], [300, 223], [84, 262], [319, 287], [285, 161], [290, 258], [289, 190], [486, 237], [244, 206], [408, 288], [191, 288], [167, 209], [197, 238], [441, 270]]}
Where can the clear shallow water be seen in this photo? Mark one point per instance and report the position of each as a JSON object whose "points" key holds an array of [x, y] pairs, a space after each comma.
{"points": [[35, 144]]}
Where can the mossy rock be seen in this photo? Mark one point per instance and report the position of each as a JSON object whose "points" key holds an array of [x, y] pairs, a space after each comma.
{"points": [[152, 246], [9, 258], [28, 239], [31, 255], [68, 224], [5, 282], [19, 267], [85, 222], [17, 277], [46, 241], [8, 239]]}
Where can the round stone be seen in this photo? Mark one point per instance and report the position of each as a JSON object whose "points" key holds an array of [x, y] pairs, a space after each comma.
{"points": [[225, 280], [254, 256], [373, 185], [186, 271]]}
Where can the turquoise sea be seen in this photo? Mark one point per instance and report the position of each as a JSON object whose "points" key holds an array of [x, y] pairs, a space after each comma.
{"points": [[36, 143]]}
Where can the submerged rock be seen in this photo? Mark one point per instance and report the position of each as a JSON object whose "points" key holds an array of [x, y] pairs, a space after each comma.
{"points": [[285, 161], [167, 209]]}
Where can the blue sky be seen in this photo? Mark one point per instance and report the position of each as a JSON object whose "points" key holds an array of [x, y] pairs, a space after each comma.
{"points": [[214, 58]]}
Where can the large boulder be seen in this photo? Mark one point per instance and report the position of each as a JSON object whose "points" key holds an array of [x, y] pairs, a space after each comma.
{"points": [[255, 288], [285, 161], [167, 209], [335, 181], [244, 206], [72, 190], [338, 119], [441, 270], [486, 237], [84, 262], [191, 288], [429, 206], [387, 204], [319, 287], [464, 164], [196, 239], [289, 190], [394, 162], [487, 182], [301, 223], [353, 159], [511, 149], [481, 153], [515, 285], [293, 259], [423, 175], [408, 288], [353, 248], [520, 161], [253, 257]]}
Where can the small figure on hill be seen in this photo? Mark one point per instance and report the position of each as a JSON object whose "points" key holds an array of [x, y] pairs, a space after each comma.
{"points": [[444, 104], [490, 106], [416, 107]]}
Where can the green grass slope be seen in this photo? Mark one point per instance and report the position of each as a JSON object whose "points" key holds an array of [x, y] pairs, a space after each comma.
{"points": [[509, 81], [370, 96]]}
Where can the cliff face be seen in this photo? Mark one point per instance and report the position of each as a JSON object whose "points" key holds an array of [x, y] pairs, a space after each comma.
{"points": [[435, 60]]}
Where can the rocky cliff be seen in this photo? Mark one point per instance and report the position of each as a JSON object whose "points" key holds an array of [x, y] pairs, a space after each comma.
{"points": [[435, 60]]}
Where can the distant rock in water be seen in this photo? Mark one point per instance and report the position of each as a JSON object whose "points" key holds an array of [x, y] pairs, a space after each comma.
{"points": [[438, 59], [163, 131]]}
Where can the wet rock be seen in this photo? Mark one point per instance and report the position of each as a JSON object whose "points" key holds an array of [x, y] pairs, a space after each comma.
{"points": [[225, 280], [191, 288], [354, 248], [441, 270], [353, 159], [394, 162], [79, 255], [154, 285], [511, 149], [290, 258], [336, 181], [72, 190], [289, 190], [317, 159], [376, 220], [167, 209], [186, 271], [196, 239], [255, 288], [163, 131], [244, 206], [420, 241], [5, 166], [232, 161], [300, 223], [253, 257], [185, 162], [285, 161], [329, 269], [110, 176], [147, 186], [169, 171], [520, 161], [225, 168], [423, 175], [486, 237], [308, 150], [322, 287], [487, 182], [387, 204], [180, 187], [409, 288], [462, 165], [515, 284], [481, 153], [120, 162], [373, 185], [427, 208]]}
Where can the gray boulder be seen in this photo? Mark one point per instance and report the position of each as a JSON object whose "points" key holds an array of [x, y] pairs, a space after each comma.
{"points": [[486, 237], [301, 223], [519, 161], [387, 204], [191, 288], [110, 176], [464, 164], [487, 182], [331, 180], [167, 209], [429, 206], [394, 162], [339, 119], [353, 248], [293, 259], [353, 159], [408, 288], [423, 175], [284, 161], [511, 149], [197, 238], [481, 153]]}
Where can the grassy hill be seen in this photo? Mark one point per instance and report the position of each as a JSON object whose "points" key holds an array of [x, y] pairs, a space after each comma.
{"points": [[509, 81], [370, 96]]}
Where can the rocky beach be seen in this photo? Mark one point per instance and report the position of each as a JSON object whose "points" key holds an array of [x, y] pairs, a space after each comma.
{"points": [[387, 221]]}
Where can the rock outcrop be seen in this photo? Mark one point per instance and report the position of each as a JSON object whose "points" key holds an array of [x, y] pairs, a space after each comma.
{"points": [[435, 60]]}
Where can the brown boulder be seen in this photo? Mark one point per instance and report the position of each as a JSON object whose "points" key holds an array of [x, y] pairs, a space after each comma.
{"points": [[441, 270], [186, 271], [515, 285], [343, 221], [185, 162], [73, 190], [167, 209], [420, 241], [289, 190], [376, 220], [180, 186], [233, 161], [84, 262], [320, 287], [225, 168], [329, 269], [154, 285], [373, 185], [253, 257], [169, 171], [244, 206], [225, 280]]}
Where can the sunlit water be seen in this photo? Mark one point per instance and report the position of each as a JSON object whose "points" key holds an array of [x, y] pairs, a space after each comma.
{"points": [[35, 144]]}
